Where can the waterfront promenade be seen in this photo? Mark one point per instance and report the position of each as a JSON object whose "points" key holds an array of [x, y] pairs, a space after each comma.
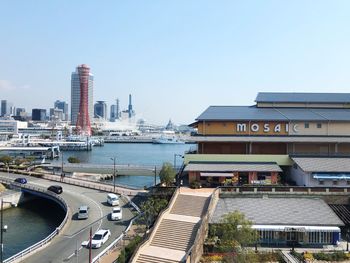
{"points": [[63, 247]]}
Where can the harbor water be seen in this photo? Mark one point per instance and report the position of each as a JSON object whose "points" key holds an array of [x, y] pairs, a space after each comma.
{"points": [[144, 154], [37, 218]]}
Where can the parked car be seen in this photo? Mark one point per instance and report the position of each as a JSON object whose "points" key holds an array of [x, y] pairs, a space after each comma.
{"points": [[112, 199], [21, 180], [117, 213], [83, 212], [100, 237], [56, 189]]}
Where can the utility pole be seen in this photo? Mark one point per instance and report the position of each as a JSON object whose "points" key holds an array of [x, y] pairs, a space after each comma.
{"points": [[114, 172], [90, 246], [62, 173]]}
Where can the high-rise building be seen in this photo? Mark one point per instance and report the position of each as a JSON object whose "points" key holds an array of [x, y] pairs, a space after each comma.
{"points": [[100, 109], [3, 107], [20, 111], [130, 110], [7, 109], [38, 114], [76, 84], [21, 114], [115, 111], [62, 105], [56, 114]]}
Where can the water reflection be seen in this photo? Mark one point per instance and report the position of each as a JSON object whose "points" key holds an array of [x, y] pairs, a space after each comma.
{"points": [[29, 223]]}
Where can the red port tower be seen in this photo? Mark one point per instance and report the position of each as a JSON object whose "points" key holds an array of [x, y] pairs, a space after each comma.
{"points": [[83, 120]]}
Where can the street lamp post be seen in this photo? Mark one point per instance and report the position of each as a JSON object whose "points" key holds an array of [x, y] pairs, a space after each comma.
{"points": [[177, 174], [114, 171], [3, 228], [62, 173]]}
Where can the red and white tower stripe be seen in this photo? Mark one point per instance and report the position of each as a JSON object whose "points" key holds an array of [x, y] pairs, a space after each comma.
{"points": [[83, 120]]}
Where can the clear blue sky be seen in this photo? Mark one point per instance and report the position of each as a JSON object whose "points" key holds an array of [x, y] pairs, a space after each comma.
{"points": [[175, 57]]}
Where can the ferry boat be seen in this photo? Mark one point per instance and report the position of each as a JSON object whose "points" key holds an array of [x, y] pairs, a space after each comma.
{"points": [[167, 140]]}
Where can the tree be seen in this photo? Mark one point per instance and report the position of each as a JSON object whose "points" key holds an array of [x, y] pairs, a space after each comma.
{"points": [[6, 159], [73, 159], [167, 174], [151, 208], [234, 231]]}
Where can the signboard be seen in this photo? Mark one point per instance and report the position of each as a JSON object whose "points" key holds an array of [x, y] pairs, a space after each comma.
{"points": [[262, 128], [294, 229]]}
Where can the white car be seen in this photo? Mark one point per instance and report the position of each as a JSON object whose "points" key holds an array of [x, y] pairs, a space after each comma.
{"points": [[112, 199], [117, 213], [100, 237]]}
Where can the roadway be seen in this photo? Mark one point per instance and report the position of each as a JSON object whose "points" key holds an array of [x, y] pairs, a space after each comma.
{"points": [[63, 246]]}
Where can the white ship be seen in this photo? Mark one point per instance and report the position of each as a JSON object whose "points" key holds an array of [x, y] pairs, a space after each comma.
{"points": [[163, 140]]}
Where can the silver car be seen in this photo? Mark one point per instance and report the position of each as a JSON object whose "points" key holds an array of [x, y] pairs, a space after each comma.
{"points": [[83, 212]]}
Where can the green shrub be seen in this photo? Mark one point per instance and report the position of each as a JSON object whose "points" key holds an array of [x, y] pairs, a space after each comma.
{"points": [[127, 252], [195, 185], [73, 159], [334, 256]]}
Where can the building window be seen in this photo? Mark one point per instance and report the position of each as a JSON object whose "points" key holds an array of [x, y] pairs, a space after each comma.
{"points": [[348, 182], [306, 125], [321, 182], [335, 182], [319, 125]]}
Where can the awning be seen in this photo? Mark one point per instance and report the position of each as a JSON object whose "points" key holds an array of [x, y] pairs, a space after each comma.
{"points": [[331, 176], [230, 167], [288, 228], [217, 174]]}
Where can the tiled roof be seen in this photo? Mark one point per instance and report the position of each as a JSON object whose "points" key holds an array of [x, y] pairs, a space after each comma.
{"points": [[279, 211], [295, 97], [253, 113], [323, 164]]}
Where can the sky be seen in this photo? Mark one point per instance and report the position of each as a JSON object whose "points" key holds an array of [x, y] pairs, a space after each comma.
{"points": [[175, 57]]}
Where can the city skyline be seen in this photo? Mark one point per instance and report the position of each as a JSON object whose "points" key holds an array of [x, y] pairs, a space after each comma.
{"points": [[175, 58]]}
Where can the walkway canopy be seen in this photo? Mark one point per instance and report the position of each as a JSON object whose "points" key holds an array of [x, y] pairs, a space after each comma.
{"points": [[219, 168]]}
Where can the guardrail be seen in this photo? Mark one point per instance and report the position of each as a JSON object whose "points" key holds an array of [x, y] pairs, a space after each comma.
{"points": [[132, 203], [114, 243], [46, 240], [81, 182]]}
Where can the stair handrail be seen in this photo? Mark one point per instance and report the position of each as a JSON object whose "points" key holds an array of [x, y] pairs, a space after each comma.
{"points": [[199, 240]]}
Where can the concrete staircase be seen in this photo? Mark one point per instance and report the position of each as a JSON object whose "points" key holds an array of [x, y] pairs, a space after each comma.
{"points": [[189, 205], [153, 259], [175, 232]]}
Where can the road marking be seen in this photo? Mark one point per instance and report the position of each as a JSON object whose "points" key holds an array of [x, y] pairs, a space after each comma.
{"points": [[69, 257]]}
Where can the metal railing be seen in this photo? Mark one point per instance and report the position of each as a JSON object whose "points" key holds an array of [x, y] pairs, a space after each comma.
{"points": [[81, 182], [46, 240]]}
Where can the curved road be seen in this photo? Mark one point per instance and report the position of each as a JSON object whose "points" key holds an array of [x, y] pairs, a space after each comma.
{"points": [[63, 246]]}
